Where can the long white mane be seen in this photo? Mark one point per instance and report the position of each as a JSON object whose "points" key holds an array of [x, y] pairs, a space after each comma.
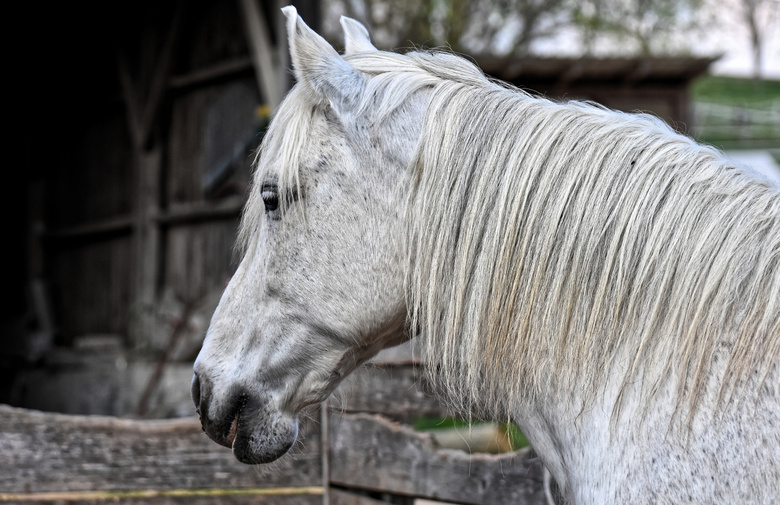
{"points": [[549, 242]]}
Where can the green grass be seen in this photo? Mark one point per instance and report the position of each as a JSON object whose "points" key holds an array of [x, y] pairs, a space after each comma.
{"points": [[516, 437], [737, 113], [735, 91], [437, 423]]}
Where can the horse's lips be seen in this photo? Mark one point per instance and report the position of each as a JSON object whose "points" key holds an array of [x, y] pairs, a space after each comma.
{"points": [[231, 437], [255, 443]]}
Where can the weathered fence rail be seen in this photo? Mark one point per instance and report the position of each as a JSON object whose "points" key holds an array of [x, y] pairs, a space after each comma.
{"points": [[371, 453], [361, 453], [47, 457]]}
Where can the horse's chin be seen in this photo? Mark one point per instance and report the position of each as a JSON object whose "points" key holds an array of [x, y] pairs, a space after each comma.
{"points": [[258, 438]]}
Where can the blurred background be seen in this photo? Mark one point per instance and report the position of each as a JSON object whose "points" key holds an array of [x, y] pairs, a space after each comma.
{"points": [[133, 126]]}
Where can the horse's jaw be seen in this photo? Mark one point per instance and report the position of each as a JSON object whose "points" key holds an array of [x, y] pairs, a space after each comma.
{"points": [[256, 413]]}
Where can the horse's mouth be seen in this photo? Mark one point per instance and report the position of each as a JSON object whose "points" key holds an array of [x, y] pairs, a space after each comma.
{"points": [[248, 424], [224, 430], [231, 437], [257, 435]]}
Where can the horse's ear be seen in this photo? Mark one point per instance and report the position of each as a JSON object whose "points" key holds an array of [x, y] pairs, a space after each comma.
{"points": [[317, 64], [356, 39]]}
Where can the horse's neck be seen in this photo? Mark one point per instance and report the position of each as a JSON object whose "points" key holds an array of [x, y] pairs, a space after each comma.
{"points": [[584, 450], [596, 457]]}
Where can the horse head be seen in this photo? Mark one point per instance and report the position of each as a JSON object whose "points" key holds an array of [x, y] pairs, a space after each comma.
{"points": [[319, 289]]}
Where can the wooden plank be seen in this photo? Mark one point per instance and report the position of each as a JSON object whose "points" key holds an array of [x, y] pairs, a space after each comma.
{"points": [[92, 284], [210, 126], [142, 110], [97, 183], [44, 452], [344, 497], [423, 501], [398, 392], [231, 131], [277, 496], [407, 353], [109, 226], [186, 147], [199, 260], [146, 243], [196, 212], [218, 71], [369, 452]]}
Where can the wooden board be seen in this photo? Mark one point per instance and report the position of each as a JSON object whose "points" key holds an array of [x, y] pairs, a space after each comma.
{"points": [[407, 353], [286, 496], [43, 452], [397, 391], [370, 452], [342, 497]]}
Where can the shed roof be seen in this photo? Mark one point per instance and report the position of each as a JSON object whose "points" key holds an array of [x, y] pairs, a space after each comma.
{"points": [[624, 72]]}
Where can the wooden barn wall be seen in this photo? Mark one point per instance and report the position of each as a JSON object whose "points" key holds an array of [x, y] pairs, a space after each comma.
{"points": [[212, 33], [213, 134], [92, 287], [208, 130], [92, 182], [213, 129], [98, 239], [199, 259], [185, 156], [88, 275]]}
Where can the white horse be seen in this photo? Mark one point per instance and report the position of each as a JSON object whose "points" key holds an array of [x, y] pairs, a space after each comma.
{"points": [[609, 285]]}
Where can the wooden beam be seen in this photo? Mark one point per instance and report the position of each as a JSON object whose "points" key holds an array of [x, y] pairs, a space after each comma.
{"points": [[571, 74], [146, 244], [221, 70], [642, 69], [115, 496], [56, 453], [142, 110], [369, 452], [111, 226], [398, 392], [132, 102], [176, 215], [188, 213], [264, 58], [344, 497]]}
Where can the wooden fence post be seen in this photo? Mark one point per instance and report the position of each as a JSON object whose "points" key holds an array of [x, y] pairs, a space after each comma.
{"points": [[142, 112]]}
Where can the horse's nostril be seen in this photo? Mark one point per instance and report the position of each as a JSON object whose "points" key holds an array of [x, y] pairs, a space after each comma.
{"points": [[195, 392]]}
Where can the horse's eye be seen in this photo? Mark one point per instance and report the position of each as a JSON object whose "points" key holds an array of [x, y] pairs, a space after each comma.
{"points": [[270, 197]]}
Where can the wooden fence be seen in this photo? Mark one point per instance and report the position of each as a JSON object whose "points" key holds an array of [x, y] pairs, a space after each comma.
{"points": [[357, 449], [732, 126]]}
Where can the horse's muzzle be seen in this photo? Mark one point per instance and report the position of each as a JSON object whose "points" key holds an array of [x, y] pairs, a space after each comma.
{"points": [[244, 423]]}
